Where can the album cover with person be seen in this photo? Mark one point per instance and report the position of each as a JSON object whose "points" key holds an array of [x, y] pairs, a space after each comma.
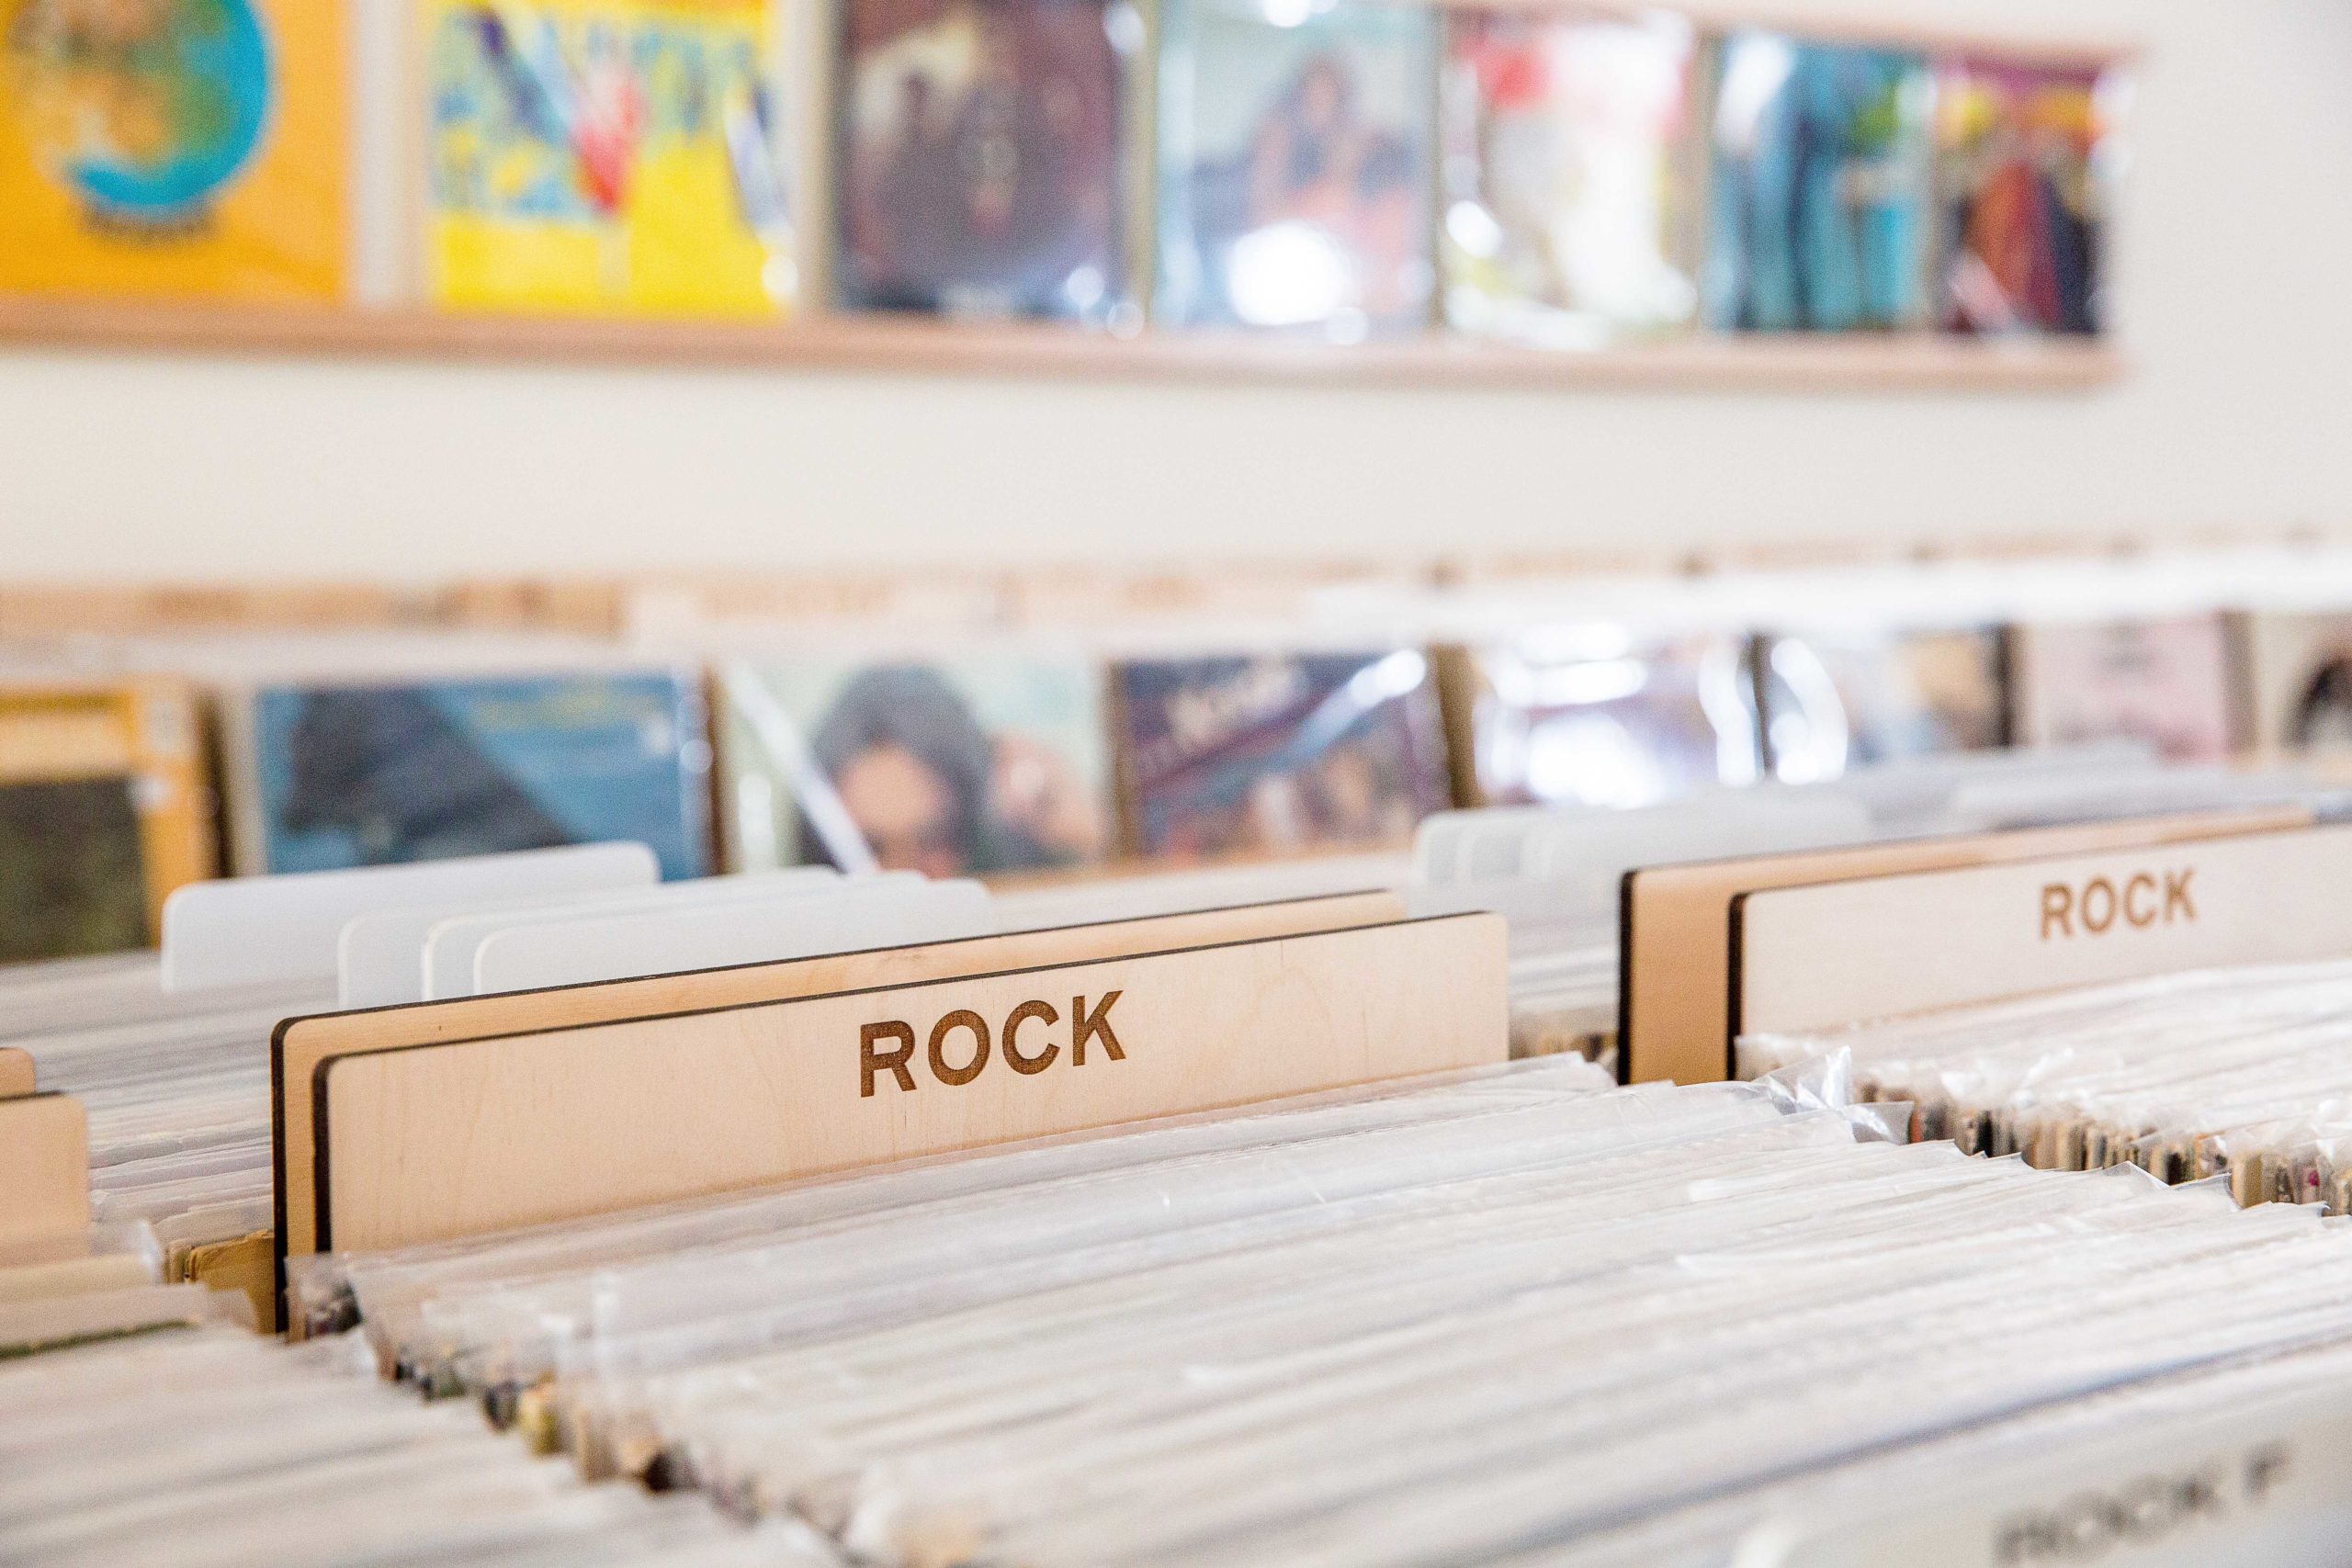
{"points": [[974, 763], [105, 809], [2024, 155], [1294, 166], [1598, 715], [1839, 699], [2299, 666], [1820, 218], [979, 152], [340, 774], [1264, 753], [2170, 681], [1571, 196]]}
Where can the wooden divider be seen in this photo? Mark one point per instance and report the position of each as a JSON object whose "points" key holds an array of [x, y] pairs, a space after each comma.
{"points": [[435, 1141]]}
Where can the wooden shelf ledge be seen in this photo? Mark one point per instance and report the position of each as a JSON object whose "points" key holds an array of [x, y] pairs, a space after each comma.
{"points": [[911, 346]]}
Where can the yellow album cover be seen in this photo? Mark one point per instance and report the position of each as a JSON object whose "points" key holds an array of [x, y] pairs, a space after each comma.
{"points": [[196, 148], [104, 810], [606, 156]]}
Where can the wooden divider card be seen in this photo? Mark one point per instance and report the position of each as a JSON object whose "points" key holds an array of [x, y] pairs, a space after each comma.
{"points": [[1844, 953], [437, 1141], [44, 1167], [17, 1075], [300, 1044], [1674, 1002]]}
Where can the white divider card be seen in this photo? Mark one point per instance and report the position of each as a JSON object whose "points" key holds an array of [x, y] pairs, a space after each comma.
{"points": [[1588, 855], [255, 929], [849, 914], [451, 946], [2267, 1490], [381, 958], [1821, 955], [435, 1141]]}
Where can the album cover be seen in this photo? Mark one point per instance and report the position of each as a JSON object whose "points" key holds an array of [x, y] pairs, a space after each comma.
{"points": [[604, 156], [1260, 754], [979, 155], [2299, 668], [343, 775], [2169, 681], [1569, 188], [195, 148], [1294, 166], [1838, 700], [1823, 182], [980, 763], [2022, 161], [73, 874], [1598, 715]]}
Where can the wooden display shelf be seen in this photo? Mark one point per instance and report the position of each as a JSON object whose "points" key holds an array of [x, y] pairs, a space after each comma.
{"points": [[908, 346]]}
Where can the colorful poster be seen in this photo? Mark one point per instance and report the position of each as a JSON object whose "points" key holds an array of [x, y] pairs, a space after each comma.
{"points": [[973, 765], [980, 154], [1598, 715], [2022, 157], [1839, 700], [194, 147], [615, 156], [372, 775], [1567, 191], [1823, 175], [1236, 756], [2170, 683], [1294, 166]]}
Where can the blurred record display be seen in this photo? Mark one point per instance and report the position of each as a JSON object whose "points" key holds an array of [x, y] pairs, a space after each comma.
{"points": [[1823, 166], [976, 764], [1567, 192], [336, 775], [1598, 715], [604, 156], [979, 155], [1294, 166], [2022, 162], [174, 147], [2300, 670], [104, 810], [1278, 751], [1838, 700], [2169, 682]]}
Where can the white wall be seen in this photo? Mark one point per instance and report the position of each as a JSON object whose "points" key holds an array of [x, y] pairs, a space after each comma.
{"points": [[2234, 287]]}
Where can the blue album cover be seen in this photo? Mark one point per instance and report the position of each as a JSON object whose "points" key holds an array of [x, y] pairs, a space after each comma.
{"points": [[1232, 756], [374, 776], [1823, 162]]}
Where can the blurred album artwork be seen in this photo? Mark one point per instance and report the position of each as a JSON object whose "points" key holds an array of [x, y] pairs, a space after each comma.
{"points": [[1294, 166], [979, 155], [1240, 755], [348, 775], [2021, 164], [1596, 715], [2169, 683], [603, 155], [1566, 196], [979, 763], [1838, 700], [1823, 177], [73, 874], [2301, 666]]}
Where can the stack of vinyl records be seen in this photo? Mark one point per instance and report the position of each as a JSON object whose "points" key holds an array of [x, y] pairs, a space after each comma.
{"points": [[1511, 1317], [2243, 1073]]}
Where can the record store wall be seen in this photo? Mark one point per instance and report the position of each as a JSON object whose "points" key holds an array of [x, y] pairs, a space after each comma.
{"points": [[2231, 312]]}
